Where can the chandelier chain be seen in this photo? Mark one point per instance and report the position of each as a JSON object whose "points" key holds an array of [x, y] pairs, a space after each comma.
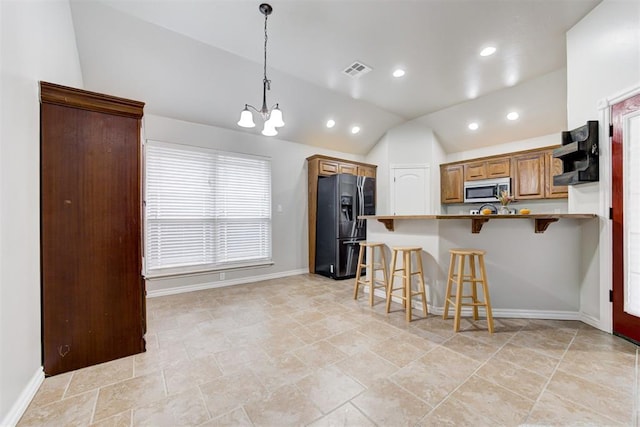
{"points": [[266, 37]]}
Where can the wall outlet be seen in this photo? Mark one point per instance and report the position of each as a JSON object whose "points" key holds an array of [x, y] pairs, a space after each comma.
{"points": [[222, 275]]}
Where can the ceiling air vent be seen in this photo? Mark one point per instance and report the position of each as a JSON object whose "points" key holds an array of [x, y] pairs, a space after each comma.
{"points": [[356, 70]]}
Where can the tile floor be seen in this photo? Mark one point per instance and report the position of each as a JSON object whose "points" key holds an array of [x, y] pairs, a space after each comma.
{"points": [[300, 351]]}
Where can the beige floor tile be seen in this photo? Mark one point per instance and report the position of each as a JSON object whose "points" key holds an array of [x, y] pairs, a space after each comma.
{"points": [[156, 360], [386, 404], [236, 359], [73, 411], [230, 392], [552, 409], [245, 344], [128, 394], [346, 415], [398, 351], [541, 342], [353, 342], [329, 388], [236, 418], [320, 354], [473, 348], [367, 367], [378, 330], [274, 373], [123, 419], [435, 375], [52, 389], [610, 368], [454, 413], [493, 401], [286, 406], [204, 344], [280, 344], [601, 399], [100, 375], [186, 374], [592, 339], [527, 358], [513, 377], [184, 409]]}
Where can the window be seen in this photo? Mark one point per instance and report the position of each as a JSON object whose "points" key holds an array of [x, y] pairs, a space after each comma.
{"points": [[205, 209]]}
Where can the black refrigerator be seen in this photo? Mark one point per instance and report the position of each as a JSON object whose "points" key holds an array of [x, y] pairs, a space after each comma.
{"points": [[341, 199]]}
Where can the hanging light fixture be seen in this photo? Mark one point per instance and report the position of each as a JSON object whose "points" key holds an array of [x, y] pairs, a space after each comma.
{"points": [[272, 117]]}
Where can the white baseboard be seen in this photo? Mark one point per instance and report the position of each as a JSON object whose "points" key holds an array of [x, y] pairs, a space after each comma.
{"points": [[596, 323], [20, 405], [497, 312], [223, 283]]}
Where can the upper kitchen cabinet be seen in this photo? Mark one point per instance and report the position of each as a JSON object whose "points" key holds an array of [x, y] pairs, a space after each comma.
{"points": [[531, 174], [451, 183], [553, 166], [528, 180], [317, 166], [487, 169]]}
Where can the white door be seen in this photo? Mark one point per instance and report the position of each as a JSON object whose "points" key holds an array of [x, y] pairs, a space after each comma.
{"points": [[410, 194]]}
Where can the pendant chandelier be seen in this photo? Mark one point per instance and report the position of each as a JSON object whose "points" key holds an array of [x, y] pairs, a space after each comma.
{"points": [[272, 117]]}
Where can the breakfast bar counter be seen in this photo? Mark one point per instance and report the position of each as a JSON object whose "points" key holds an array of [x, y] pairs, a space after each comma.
{"points": [[531, 273], [541, 221]]}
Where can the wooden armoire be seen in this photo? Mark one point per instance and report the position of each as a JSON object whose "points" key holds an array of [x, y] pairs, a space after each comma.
{"points": [[92, 289]]}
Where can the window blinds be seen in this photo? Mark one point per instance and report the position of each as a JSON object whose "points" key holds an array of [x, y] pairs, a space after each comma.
{"points": [[205, 209]]}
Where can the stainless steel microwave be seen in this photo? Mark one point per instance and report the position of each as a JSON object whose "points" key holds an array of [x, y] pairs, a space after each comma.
{"points": [[485, 190]]}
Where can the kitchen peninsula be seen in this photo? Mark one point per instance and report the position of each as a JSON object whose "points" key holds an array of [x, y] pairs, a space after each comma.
{"points": [[531, 274]]}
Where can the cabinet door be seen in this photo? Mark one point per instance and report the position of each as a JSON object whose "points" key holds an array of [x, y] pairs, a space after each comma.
{"points": [[347, 168], [327, 167], [529, 176], [451, 181], [474, 171], [367, 171], [553, 167], [499, 168]]}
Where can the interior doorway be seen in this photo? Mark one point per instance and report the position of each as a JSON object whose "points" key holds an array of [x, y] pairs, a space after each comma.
{"points": [[410, 189], [625, 196]]}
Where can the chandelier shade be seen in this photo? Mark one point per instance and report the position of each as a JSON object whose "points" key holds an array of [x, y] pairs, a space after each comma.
{"points": [[272, 117]]}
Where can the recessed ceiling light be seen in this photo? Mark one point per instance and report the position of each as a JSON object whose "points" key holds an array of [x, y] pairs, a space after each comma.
{"points": [[355, 129], [487, 51], [398, 72], [331, 123], [513, 115], [473, 126]]}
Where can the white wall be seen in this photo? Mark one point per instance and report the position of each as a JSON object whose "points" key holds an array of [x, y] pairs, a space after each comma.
{"points": [[603, 55], [411, 143], [37, 42], [289, 190]]}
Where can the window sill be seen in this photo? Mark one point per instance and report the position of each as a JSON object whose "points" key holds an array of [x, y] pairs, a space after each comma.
{"points": [[205, 271]]}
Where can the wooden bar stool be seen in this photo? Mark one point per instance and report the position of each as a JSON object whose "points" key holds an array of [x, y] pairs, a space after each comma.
{"points": [[406, 273], [371, 267], [460, 277]]}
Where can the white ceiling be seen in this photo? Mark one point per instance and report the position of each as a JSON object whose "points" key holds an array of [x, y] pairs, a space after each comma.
{"points": [[201, 61]]}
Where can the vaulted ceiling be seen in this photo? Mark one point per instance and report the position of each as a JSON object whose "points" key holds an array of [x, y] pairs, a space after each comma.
{"points": [[202, 60]]}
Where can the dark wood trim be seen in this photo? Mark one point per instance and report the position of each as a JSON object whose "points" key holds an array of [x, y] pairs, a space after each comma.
{"points": [[336, 159], [497, 156], [51, 93]]}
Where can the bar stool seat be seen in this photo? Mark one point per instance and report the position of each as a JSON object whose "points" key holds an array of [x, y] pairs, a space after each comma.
{"points": [[406, 274], [459, 276], [371, 266]]}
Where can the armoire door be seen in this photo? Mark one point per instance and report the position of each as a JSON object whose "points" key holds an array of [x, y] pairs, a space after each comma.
{"points": [[93, 306]]}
